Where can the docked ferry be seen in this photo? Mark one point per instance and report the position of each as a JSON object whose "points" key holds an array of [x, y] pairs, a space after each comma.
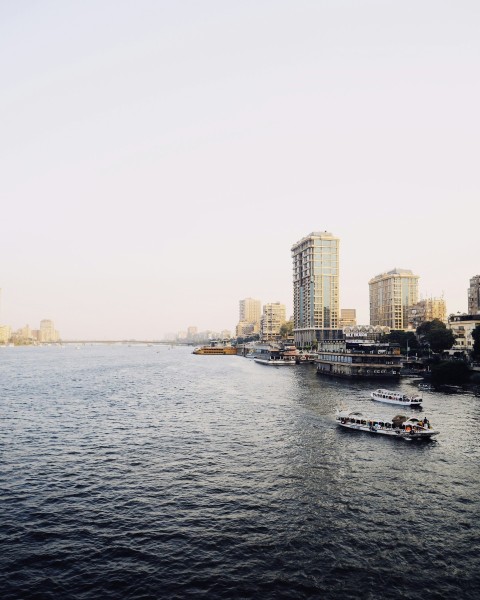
{"points": [[215, 350], [390, 397], [399, 426]]}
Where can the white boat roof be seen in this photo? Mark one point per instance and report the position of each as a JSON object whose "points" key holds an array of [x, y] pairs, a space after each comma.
{"points": [[360, 415]]}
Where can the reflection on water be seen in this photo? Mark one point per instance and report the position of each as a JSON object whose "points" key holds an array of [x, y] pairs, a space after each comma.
{"points": [[148, 472]]}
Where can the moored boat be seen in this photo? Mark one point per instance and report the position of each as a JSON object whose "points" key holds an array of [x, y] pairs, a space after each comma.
{"points": [[426, 386], [399, 426], [215, 350], [278, 362], [276, 356], [390, 397]]}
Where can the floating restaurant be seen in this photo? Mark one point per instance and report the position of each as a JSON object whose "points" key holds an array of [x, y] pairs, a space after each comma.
{"points": [[359, 355]]}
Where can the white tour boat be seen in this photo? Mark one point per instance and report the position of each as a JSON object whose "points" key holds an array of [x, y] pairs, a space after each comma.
{"points": [[399, 426], [390, 397]]}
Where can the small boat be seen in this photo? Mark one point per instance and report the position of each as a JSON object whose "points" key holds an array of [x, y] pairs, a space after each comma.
{"points": [[390, 397], [399, 426], [426, 386]]}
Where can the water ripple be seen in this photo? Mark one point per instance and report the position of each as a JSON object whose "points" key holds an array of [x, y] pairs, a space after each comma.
{"points": [[143, 472]]}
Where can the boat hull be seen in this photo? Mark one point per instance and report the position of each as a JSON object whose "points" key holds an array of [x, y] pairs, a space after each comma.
{"points": [[397, 433]]}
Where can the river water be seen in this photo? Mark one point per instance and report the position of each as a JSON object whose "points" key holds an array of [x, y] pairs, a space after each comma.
{"points": [[143, 472]]}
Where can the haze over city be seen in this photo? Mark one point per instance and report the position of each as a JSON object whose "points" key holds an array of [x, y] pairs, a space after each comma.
{"points": [[160, 159]]}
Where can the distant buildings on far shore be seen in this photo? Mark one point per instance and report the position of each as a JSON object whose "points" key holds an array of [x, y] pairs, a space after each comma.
{"points": [[193, 336], [250, 311], [25, 335]]}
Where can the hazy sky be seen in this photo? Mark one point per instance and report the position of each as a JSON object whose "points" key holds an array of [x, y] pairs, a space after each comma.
{"points": [[160, 158]]}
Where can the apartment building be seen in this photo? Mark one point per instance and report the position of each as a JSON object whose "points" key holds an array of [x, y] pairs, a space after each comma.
{"points": [[47, 331], [391, 296], [462, 327], [427, 310], [316, 288], [249, 317], [273, 317]]}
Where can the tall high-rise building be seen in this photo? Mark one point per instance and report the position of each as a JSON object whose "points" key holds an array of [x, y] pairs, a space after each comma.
{"points": [[316, 288], [474, 296], [274, 316], [249, 317], [391, 296]]}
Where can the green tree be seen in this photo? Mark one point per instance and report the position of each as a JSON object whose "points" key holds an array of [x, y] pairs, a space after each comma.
{"points": [[435, 335], [286, 330], [450, 372], [406, 339], [476, 342]]}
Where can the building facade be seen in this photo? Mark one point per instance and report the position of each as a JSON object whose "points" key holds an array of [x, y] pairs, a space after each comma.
{"points": [[249, 317], [391, 296], [348, 317], [427, 310], [48, 332], [273, 317], [316, 288], [474, 296], [462, 327], [5, 334]]}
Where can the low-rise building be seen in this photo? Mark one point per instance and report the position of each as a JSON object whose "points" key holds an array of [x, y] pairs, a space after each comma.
{"points": [[462, 327]]}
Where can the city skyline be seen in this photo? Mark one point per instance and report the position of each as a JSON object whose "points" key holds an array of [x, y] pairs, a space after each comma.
{"points": [[160, 159]]}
